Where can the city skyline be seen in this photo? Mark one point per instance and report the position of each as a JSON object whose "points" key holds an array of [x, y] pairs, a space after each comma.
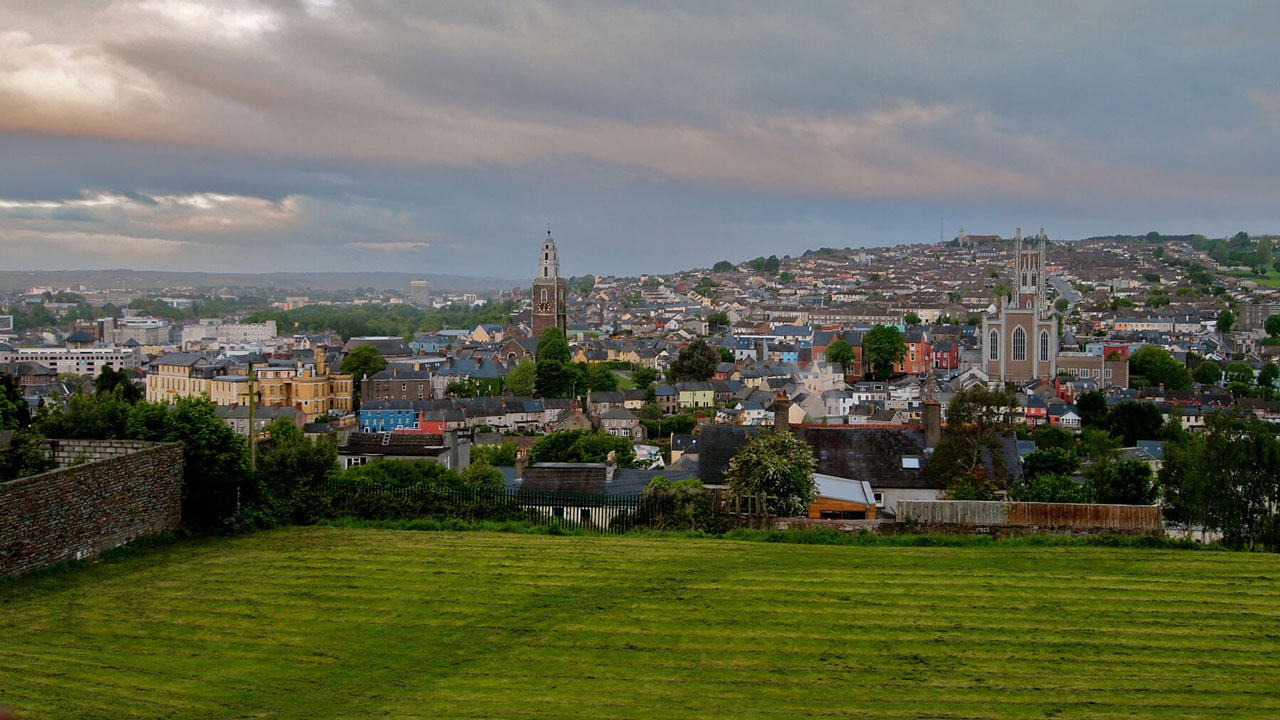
{"points": [[273, 137]]}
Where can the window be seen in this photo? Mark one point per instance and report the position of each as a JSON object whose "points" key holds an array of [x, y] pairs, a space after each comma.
{"points": [[994, 341], [1044, 346], [879, 498], [1019, 344], [910, 462]]}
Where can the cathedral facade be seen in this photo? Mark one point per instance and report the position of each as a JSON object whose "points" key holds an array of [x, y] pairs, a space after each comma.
{"points": [[1020, 340], [548, 291]]}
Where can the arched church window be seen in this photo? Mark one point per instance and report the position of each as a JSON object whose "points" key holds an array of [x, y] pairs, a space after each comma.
{"points": [[1044, 346], [994, 341], [1019, 344]]}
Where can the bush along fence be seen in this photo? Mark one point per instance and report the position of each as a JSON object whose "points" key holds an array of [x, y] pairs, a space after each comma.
{"points": [[706, 510]]}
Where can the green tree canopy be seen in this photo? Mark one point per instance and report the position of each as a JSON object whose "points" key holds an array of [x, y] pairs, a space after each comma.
{"points": [[1238, 372], [781, 466], [841, 353], [14, 412], [1207, 373], [501, 454], [1051, 461], [883, 346], [696, 361], [644, 377], [1128, 482], [361, 362], [1132, 421], [581, 446], [1273, 323], [1226, 320], [722, 266], [552, 346], [520, 381], [1158, 367]]}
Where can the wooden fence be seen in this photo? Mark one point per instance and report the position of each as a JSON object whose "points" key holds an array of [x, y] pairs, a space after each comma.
{"points": [[948, 512]]}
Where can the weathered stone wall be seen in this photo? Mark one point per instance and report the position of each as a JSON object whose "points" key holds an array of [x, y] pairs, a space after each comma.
{"points": [[77, 452], [79, 511]]}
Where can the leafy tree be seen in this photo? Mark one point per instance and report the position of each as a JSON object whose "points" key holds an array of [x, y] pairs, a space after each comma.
{"points": [[975, 418], [1061, 305], [1128, 482], [501, 454], [717, 321], [1226, 319], [840, 352], [696, 361], [1048, 487], [482, 476], [88, 417], [781, 466], [726, 355], [1268, 375], [882, 347], [520, 381], [1132, 421], [109, 380], [555, 378], [14, 412], [1051, 461], [771, 265], [292, 462], [464, 388], [581, 446], [25, 456], [722, 266], [1051, 436], [1159, 367], [659, 426], [552, 347], [911, 319], [400, 473], [1092, 408], [360, 363], [1207, 373], [599, 377], [1273, 322], [644, 377], [1238, 372], [1225, 480]]}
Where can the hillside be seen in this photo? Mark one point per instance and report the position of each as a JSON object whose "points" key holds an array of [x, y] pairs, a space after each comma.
{"points": [[17, 280], [335, 623]]}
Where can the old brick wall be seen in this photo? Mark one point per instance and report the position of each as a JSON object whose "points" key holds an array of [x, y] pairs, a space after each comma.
{"points": [[79, 511]]}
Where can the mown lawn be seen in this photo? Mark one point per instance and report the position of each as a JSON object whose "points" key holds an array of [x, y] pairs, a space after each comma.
{"points": [[358, 623]]}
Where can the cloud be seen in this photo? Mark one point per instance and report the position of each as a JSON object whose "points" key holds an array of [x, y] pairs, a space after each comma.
{"points": [[398, 246]]}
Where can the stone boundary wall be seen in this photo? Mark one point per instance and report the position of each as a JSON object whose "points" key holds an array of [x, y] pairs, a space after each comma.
{"points": [[77, 452], [77, 512]]}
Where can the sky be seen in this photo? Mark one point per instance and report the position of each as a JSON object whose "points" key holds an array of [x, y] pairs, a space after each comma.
{"points": [[650, 136]]}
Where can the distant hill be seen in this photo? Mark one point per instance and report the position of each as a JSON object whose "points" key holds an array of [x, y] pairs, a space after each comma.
{"points": [[16, 280]]}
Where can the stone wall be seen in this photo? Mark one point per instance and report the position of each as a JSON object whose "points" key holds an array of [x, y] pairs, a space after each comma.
{"points": [[78, 511], [77, 452]]}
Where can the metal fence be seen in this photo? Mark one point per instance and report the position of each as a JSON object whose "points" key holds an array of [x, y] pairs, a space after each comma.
{"points": [[600, 513], [1078, 515]]}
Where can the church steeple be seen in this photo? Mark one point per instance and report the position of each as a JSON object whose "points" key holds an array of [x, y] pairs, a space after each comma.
{"points": [[549, 260]]}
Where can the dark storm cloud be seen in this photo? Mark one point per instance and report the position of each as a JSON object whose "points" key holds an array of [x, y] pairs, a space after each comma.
{"points": [[652, 135]]}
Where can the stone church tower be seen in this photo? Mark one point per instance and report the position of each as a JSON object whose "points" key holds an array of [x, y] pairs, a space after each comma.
{"points": [[1020, 341], [548, 291]]}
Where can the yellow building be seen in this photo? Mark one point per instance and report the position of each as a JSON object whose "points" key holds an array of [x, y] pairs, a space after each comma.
{"points": [[314, 391]]}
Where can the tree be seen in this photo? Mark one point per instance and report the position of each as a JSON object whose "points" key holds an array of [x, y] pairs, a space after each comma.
{"points": [[966, 462], [552, 347], [644, 377], [1226, 319], [360, 363], [1207, 373], [722, 266], [717, 321], [502, 454], [1092, 408], [1132, 421], [911, 319], [726, 355], [771, 265], [482, 476], [1061, 305], [1049, 488], [581, 446], [293, 463], [520, 381], [1273, 322], [883, 346], [599, 377], [1238, 372], [109, 380], [1158, 367], [25, 456], [696, 361], [1268, 375], [1264, 251], [14, 412], [840, 352], [1051, 461], [779, 465], [1051, 436], [1225, 480], [1128, 482]]}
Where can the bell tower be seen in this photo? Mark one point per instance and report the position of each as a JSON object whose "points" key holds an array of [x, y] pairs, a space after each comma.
{"points": [[1028, 270], [548, 290]]}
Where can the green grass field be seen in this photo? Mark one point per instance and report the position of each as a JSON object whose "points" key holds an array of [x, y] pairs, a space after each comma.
{"points": [[363, 623]]}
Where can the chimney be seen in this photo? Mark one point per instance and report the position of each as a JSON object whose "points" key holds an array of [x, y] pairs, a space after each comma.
{"points": [[522, 463], [782, 413], [610, 466], [932, 423]]}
